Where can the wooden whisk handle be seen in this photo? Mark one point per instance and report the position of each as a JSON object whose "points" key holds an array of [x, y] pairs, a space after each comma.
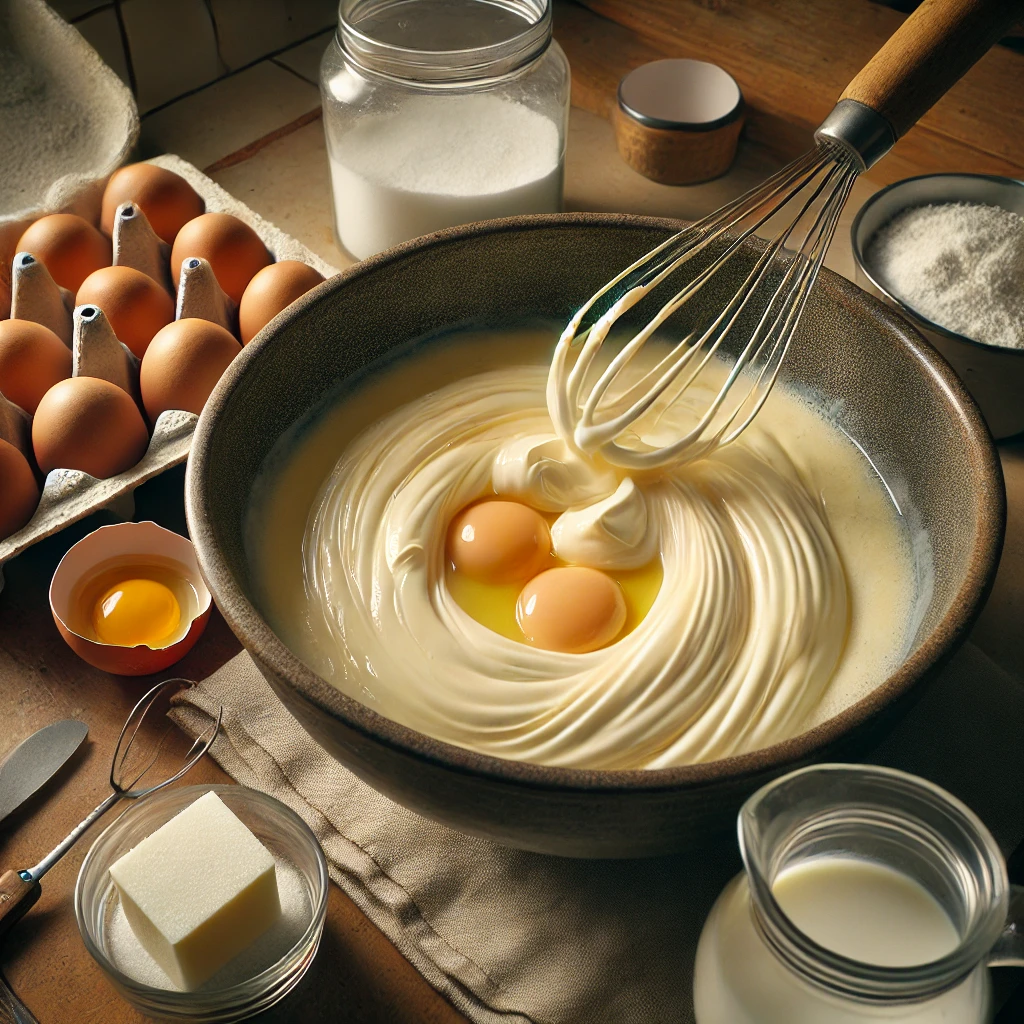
{"points": [[16, 896], [932, 50]]}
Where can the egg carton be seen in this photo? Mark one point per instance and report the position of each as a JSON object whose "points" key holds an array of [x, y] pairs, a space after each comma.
{"points": [[70, 495]]}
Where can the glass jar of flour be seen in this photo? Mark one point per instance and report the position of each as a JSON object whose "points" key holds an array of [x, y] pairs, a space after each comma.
{"points": [[441, 112], [869, 896]]}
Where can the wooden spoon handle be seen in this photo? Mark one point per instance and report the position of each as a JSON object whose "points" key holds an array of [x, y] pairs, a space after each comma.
{"points": [[933, 48], [16, 896]]}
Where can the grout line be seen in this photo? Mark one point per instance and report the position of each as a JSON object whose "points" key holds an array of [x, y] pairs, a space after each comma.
{"points": [[132, 83], [208, 4], [100, 6], [243, 154], [267, 57], [292, 71]]}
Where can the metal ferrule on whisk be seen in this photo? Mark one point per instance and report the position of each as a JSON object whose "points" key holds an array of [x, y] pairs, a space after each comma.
{"points": [[858, 131]]}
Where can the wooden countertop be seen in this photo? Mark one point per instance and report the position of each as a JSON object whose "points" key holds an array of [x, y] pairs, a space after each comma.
{"points": [[358, 975], [792, 59]]}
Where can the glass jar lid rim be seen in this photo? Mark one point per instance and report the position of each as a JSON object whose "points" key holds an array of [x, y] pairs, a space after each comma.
{"points": [[846, 976], [487, 59]]}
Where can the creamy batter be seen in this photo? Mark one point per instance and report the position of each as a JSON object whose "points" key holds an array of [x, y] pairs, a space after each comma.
{"points": [[787, 588]]}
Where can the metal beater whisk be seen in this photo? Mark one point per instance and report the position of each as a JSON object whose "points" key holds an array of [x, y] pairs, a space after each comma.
{"points": [[132, 759], [735, 339]]}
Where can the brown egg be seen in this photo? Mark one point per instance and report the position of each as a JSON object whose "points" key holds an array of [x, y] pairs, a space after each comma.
{"points": [[166, 198], [88, 424], [32, 360], [183, 364], [136, 306], [572, 608], [69, 246], [19, 492], [499, 542], [230, 246], [270, 291]]}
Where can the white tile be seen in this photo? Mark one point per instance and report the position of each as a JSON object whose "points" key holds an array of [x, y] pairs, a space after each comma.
{"points": [[230, 114], [173, 48], [250, 29], [288, 183], [305, 58], [308, 16], [71, 9], [103, 34]]}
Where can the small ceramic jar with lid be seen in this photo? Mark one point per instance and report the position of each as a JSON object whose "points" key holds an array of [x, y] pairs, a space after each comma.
{"points": [[677, 122], [441, 112]]}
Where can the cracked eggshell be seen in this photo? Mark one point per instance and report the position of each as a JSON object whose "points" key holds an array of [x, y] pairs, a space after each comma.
{"points": [[140, 544]]}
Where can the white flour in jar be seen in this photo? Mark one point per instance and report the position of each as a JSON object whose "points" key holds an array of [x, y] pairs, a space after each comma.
{"points": [[441, 161], [961, 265]]}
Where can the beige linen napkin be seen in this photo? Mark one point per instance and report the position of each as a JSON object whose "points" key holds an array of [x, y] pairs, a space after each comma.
{"points": [[511, 936]]}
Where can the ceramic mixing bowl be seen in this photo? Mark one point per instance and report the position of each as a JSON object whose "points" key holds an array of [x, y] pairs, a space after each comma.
{"points": [[888, 388]]}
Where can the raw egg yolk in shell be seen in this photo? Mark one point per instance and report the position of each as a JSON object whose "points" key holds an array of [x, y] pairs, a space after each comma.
{"points": [[135, 612], [499, 542], [571, 609]]}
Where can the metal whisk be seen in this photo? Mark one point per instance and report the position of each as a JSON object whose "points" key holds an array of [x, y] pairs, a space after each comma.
{"points": [[734, 340], [131, 761]]}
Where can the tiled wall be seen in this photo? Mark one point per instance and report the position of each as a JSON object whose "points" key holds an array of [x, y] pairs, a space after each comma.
{"points": [[166, 48]]}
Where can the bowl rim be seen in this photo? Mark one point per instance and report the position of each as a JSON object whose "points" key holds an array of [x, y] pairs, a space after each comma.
{"points": [[905, 308], [252, 629]]}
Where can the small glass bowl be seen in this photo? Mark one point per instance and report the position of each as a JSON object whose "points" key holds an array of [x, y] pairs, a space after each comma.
{"points": [[280, 830]]}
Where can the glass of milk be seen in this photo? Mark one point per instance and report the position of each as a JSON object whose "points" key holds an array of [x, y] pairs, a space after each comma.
{"points": [[869, 895], [441, 112]]}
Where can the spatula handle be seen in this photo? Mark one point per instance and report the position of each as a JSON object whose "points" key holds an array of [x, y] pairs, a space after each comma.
{"points": [[931, 51], [16, 896]]}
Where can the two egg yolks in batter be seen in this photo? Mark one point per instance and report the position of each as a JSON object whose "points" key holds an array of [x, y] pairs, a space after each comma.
{"points": [[503, 573]]}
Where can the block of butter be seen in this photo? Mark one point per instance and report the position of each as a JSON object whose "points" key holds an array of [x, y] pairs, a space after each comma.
{"points": [[198, 891]]}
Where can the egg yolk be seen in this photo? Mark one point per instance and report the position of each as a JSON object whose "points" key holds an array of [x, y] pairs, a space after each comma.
{"points": [[135, 612], [499, 542], [571, 609]]}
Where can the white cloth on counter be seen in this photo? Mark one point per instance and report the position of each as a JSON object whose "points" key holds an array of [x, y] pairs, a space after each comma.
{"points": [[510, 936]]}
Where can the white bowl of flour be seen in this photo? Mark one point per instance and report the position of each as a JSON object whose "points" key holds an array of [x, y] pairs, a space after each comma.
{"points": [[947, 250]]}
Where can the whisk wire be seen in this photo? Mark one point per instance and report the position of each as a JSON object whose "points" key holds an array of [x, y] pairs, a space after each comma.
{"points": [[595, 410], [120, 789], [594, 433], [810, 268], [124, 777]]}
